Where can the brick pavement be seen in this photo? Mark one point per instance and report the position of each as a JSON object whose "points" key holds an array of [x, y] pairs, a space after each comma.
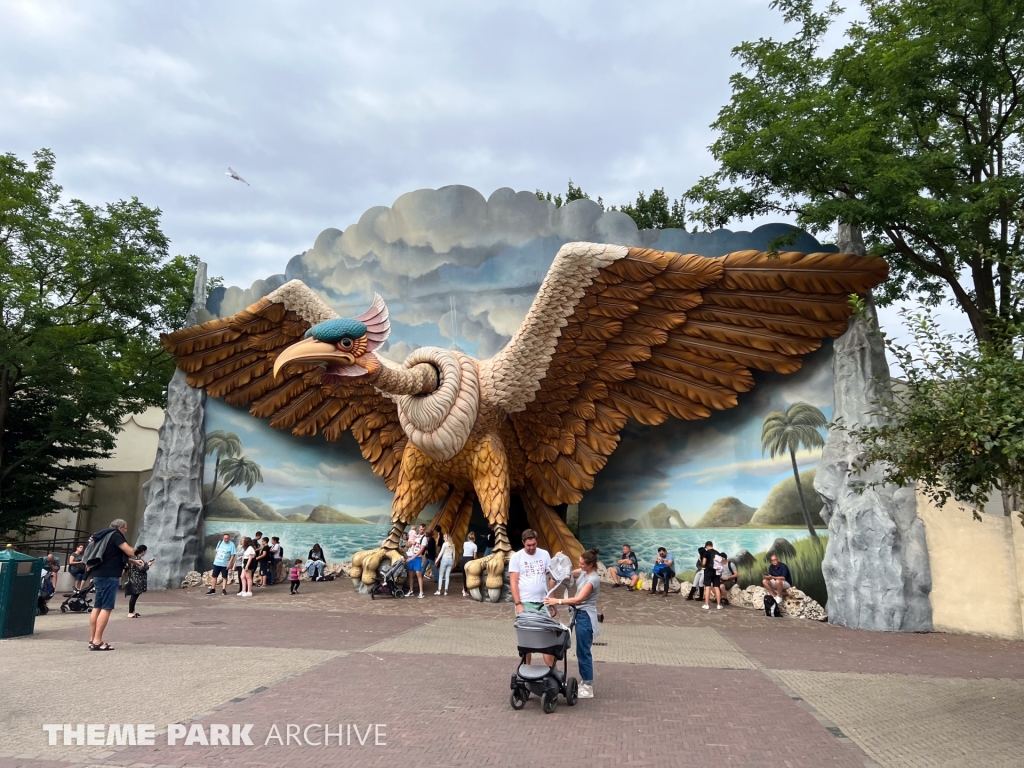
{"points": [[675, 685]]}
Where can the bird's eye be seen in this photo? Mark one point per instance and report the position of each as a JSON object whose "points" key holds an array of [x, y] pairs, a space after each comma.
{"points": [[345, 344]]}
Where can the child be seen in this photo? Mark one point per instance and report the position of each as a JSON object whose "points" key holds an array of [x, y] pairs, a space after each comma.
{"points": [[295, 575]]}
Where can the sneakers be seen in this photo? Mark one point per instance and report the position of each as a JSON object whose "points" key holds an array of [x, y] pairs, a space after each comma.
{"points": [[778, 600], [446, 593], [409, 593], [438, 592], [245, 594], [719, 606], [420, 595], [586, 691], [224, 592], [706, 607], [213, 591]]}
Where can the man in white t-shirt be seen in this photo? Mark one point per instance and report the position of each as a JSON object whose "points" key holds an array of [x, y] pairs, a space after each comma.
{"points": [[528, 577]]}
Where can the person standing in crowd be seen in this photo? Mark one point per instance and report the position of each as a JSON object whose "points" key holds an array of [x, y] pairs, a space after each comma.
{"points": [[316, 562], [588, 584], [529, 579], [105, 577], [295, 575], [248, 567], [445, 561], [468, 553], [76, 565], [265, 560], [276, 558], [414, 560], [137, 579], [698, 577], [712, 578], [223, 561], [430, 554]]}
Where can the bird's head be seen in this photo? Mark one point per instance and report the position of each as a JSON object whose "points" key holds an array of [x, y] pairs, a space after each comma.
{"points": [[343, 346]]}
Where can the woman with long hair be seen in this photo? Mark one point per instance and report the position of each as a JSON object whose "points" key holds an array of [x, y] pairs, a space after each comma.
{"points": [[316, 562], [588, 584], [137, 579], [446, 558], [248, 566]]}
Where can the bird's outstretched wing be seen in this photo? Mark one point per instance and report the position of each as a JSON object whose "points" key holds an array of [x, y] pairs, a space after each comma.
{"points": [[233, 358], [617, 333]]}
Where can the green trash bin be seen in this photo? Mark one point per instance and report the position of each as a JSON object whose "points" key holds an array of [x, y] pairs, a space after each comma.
{"points": [[20, 577]]}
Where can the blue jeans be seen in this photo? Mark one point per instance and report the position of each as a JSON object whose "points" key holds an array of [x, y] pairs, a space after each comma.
{"points": [[584, 639], [446, 572], [625, 571]]}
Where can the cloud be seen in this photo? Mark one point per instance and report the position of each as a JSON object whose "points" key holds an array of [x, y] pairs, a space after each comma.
{"points": [[756, 467]]}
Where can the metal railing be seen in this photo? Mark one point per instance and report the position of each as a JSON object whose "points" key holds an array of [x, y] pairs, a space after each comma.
{"points": [[59, 541]]}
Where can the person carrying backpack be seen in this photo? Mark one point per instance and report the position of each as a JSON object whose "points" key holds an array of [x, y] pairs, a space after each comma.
{"points": [[106, 555]]}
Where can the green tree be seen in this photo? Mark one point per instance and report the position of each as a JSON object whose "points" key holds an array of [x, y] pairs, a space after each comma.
{"points": [[799, 426], [239, 470], [955, 423], [85, 292], [224, 445], [654, 212], [911, 130]]}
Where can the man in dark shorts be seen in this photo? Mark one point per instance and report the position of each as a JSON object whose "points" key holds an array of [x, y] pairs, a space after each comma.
{"points": [[712, 578], [105, 577], [223, 562]]}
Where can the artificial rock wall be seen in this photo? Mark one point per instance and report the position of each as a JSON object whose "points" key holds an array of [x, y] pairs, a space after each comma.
{"points": [[172, 523], [876, 564]]}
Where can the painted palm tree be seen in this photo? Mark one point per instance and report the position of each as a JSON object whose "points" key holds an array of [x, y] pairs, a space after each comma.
{"points": [[225, 445], [238, 470], [788, 431]]}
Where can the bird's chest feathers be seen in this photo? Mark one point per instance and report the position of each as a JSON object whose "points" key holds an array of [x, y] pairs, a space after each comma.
{"points": [[439, 424]]}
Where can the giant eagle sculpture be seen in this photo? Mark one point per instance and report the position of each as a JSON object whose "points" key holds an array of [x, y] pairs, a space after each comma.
{"points": [[615, 333]]}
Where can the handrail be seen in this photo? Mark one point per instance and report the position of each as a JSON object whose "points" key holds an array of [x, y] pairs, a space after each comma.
{"points": [[57, 545]]}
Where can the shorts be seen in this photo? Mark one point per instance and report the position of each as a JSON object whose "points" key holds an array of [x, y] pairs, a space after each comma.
{"points": [[625, 571], [416, 564], [785, 585], [106, 592], [220, 570], [712, 578]]}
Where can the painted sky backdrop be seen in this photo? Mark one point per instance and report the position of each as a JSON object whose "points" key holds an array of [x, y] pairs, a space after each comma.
{"points": [[435, 250]]}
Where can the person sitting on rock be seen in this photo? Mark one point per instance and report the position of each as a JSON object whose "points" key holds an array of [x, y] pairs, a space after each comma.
{"points": [[728, 576], [777, 580], [316, 561], [662, 570], [627, 568]]}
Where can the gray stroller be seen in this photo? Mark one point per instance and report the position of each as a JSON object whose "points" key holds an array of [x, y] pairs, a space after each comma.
{"points": [[537, 634]]}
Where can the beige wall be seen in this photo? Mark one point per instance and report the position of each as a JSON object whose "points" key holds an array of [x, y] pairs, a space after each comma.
{"points": [[120, 493], [960, 548]]}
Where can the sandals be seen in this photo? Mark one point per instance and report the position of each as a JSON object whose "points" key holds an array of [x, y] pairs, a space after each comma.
{"points": [[100, 647]]}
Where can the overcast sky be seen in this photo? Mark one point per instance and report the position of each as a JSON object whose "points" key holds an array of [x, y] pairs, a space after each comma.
{"points": [[328, 109]]}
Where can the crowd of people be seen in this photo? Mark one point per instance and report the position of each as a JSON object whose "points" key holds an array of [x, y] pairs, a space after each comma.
{"points": [[259, 561], [715, 575], [433, 553]]}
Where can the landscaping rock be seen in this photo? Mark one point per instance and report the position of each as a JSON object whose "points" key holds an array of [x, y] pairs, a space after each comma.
{"points": [[192, 579]]}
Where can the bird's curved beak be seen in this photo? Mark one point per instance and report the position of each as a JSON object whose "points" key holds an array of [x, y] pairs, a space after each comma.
{"points": [[312, 351]]}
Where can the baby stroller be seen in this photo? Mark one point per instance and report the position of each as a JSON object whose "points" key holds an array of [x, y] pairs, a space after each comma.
{"points": [[389, 580], [536, 634], [539, 634], [78, 601]]}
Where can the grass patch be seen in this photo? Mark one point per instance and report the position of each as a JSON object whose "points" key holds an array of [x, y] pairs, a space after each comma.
{"points": [[804, 567]]}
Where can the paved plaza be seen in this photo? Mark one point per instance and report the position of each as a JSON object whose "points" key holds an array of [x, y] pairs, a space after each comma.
{"points": [[675, 686]]}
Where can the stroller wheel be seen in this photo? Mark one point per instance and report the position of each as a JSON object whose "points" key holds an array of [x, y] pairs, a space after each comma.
{"points": [[63, 607], [549, 702], [398, 593], [572, 692], [518, 699]]}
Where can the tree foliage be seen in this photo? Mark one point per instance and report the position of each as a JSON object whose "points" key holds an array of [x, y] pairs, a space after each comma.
{"points": [[654, 212], [911, 130], [85, 292], [955, 425]]}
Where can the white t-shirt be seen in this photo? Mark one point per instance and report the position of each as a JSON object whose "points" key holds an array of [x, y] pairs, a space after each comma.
{"points": [[469, 549], [532, 570], [248, 555]]}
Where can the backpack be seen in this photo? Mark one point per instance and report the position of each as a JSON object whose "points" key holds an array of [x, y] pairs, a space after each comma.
{"points": [[771, 608], [96, 548]]}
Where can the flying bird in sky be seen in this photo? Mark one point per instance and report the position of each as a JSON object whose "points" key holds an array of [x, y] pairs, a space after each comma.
{"points": [[234, 175]]}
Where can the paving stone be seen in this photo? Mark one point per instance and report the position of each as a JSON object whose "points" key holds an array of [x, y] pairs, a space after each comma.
{"points": [[907, 721]]}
